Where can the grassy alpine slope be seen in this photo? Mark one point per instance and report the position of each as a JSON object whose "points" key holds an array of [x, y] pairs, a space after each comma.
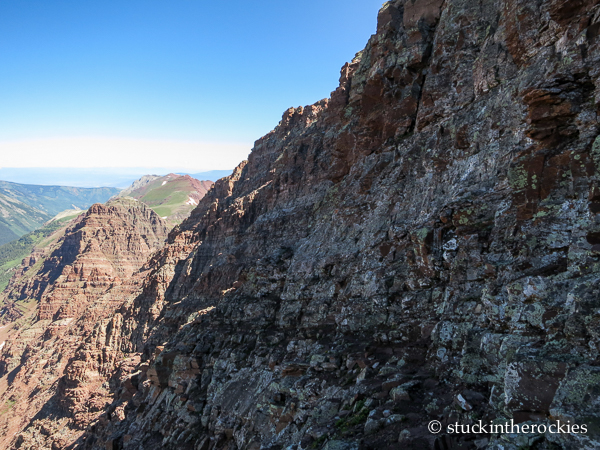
{"points": [[12, 253], [18, 218], [172, 197]]}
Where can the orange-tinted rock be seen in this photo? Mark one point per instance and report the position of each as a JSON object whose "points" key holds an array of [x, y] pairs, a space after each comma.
{"points": [[429, 235], [71, 344]]}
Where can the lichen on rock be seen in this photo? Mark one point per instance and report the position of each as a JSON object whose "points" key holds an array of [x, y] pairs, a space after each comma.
{"points": [[421, 246]]}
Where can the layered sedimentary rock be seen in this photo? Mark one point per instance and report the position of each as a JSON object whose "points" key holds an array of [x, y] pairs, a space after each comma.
{"points": [[58, 355], [422, 246]]}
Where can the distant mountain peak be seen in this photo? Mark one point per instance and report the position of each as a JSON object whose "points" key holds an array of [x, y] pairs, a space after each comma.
{"points": [[26, 207], [172, 196]]}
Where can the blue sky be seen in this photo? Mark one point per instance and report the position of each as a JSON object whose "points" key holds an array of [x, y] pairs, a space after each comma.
{"points": [[206, 72]]}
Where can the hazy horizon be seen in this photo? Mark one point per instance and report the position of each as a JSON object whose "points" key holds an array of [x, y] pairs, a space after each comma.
{"points": [[187, 85], [119, 177]]}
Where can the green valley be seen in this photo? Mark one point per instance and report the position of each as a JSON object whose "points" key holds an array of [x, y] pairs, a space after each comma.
{"points": [[26, 207]]}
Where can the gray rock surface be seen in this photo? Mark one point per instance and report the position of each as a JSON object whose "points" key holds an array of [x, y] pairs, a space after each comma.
{"points": [[426, 242]]}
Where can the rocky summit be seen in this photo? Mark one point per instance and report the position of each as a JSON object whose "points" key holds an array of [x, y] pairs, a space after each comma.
{"points": [[422, 246], [59, 310]]}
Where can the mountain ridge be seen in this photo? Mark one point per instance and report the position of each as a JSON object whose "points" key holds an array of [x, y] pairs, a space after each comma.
{"points": [[422, 246], [172, 196], [26, 207], [383, 258], [55, 199], [12, 253], [79, 281]]}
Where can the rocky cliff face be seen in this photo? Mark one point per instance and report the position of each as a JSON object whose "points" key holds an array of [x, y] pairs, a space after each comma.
{"points": [[58, 354], [421, 246]]}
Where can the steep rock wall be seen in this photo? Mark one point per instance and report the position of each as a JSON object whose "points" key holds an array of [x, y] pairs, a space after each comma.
{"points": [[53, 366], [423, 245]]}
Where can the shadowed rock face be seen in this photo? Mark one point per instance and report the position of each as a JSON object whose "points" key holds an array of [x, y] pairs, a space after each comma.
{"points": [[423, 245], [53, 365]]}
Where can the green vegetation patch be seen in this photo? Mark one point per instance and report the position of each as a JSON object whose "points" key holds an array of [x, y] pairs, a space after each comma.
{"points": [[163, 211], [21, 219], [318, 442], [26, 308], [7, 406], [167, 196], [171, 192], [12, 254], [360, 416]]}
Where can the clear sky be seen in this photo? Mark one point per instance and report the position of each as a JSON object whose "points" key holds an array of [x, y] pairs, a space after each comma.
{"points": [[180, 84]]}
